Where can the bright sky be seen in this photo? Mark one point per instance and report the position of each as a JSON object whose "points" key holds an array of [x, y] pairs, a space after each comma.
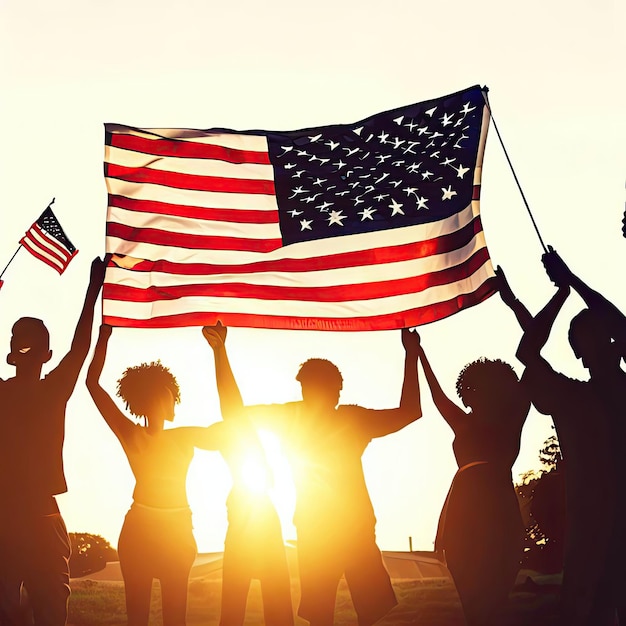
{"points": [[557, 91]]}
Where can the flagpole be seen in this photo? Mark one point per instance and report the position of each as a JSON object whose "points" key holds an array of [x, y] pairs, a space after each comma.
{"points": [[506, 154], [20, 246]]}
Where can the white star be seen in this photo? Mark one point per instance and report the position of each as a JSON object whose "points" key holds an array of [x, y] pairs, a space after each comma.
{"points": [[398, 142], [310, 199], [358, 130], [421, 203], [380, 180], [381, 196], [315, 138], [349, 152], [448, 193], [398, 120], [395, 183], [298, 190], [446, 120], [466, 108], [410, 190], [319, 181], [294, 212], [302, 153], [422, 130], [414, 167], [431, 111], [447, 161], [286, 149], [366, 214], [461, 171], [324, 206], [411, 125], [298, 174], [396, 207], [340, 164], [305, 225], [332, 144], [426, 175], [409, 148], [382, 158], [289, 166], [336, 217]]}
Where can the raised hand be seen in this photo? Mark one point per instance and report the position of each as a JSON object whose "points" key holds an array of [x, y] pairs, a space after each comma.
{"points": [[215, 335]]}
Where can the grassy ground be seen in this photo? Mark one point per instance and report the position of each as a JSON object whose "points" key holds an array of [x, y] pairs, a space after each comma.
{"points": [[427, 603]]}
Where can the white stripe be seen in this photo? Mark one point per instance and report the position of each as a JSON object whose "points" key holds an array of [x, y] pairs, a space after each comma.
{"points": [[321, 278], [303, 250], [187, 226], [255, 143], [344, 310], [198, 167]]}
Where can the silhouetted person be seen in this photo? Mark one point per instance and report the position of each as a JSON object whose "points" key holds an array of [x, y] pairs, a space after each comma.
{"points": [[334, 517], [254, 546], [156, 540], [590, 423], [34, 544], [481, 531]]}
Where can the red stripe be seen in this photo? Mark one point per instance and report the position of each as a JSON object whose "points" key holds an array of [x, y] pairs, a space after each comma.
{"points": [[195, 242], [476, 192], [388, 254], [189, 181], [181, 148], [334, 293], [404, 319], [41, 257], [245, 216]]}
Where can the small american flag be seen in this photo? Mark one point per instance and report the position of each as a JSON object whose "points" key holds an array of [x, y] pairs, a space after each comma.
{"points": [[47, 241], [365, 226]]}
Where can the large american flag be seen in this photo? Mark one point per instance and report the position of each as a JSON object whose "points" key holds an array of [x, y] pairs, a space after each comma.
{"points": [[365, 226]]}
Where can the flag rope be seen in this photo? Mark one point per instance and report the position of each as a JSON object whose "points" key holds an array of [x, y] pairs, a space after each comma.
{"points": [[506, 154]]}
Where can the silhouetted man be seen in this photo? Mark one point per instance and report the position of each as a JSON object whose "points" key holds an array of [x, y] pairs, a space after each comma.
{"points": [[254, 546], [34, 544], [324, 442], [590, 420]]}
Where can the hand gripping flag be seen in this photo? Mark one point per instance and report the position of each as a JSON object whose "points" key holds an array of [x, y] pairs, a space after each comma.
{"points": [[366, 226], [47, 241]]}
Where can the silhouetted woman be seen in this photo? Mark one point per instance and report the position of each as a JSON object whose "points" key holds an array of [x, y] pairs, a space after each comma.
{"points": [[481, 530], [156, 540]]}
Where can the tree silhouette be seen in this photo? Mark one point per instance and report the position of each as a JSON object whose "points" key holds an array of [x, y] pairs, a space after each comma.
{"points": [[90, 553], [541, 496]]}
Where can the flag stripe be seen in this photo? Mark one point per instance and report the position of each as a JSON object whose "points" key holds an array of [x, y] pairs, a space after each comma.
{"points": [[40, 237], [185, 149], [238, 216], [195, 182], [332, 293], [414, 316], [188, 241], [354, 259]]}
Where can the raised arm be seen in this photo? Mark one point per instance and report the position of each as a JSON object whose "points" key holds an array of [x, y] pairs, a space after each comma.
{"points": [[388, 421], [231, 403], [450, 411], [72, 362], [538, 331], [116, 420], [508, 297], [561, 275]]}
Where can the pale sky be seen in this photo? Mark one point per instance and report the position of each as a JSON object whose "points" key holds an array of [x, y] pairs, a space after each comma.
{"points": [[557, 91]]}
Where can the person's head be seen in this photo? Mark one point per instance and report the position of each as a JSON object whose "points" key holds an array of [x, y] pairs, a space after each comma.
{"points": [[486, 383], [30, 344], [149, 390], [591, 340], [321, 382]]}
